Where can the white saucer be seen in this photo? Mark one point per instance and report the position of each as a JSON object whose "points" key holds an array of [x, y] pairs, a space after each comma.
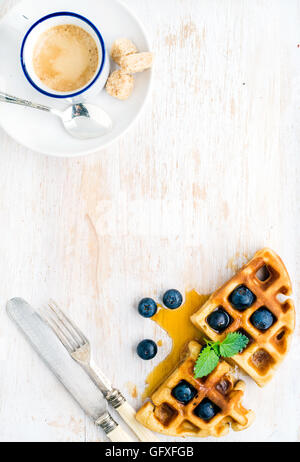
{"points": [[40, 131]]}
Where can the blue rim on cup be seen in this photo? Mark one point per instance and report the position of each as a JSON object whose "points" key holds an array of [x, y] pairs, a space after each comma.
{"points": [[90, 84]]}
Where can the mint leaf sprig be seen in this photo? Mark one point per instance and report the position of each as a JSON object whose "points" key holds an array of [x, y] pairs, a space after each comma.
{"points": [[210, 355]]}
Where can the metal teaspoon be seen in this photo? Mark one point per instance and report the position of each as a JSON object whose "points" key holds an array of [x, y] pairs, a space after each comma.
{"points": [[83, 121]]}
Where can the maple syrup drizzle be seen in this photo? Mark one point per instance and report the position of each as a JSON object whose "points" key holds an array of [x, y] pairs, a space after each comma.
{"points": [[178, 326]]}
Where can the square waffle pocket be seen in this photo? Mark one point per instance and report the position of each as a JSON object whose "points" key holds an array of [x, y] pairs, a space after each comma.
{"points": [[268, 280], [165, 414]]}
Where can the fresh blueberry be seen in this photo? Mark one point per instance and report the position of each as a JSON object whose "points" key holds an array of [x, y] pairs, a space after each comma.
{"points": [[262, 319], [147, 349], [184, 392], [206, 410], [173, 299], [219, 320], [242, 298], [147, 307]]}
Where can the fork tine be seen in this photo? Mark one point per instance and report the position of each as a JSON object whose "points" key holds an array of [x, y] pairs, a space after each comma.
{"points": [[58, 331], [65, 329], [69, 325], [66, 322]]}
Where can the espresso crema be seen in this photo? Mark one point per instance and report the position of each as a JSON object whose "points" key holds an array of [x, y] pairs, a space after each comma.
{"points": [[65, 58]]}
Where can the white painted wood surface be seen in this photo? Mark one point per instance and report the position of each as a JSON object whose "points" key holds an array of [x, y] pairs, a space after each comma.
{"points": [[208, 174]]}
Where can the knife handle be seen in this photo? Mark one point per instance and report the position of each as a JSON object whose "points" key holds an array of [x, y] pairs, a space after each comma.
{"points": [[113, 430], [126, 411], [128, 415], [118, 435]]}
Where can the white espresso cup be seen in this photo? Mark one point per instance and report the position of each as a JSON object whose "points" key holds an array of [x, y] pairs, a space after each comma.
{"points": [[97, 82]]}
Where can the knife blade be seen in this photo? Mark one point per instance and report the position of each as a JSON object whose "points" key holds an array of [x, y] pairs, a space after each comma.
{"points": [[73, 377]]}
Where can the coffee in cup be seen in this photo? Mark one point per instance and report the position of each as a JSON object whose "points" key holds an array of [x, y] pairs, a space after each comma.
{"points": [[65, 58]]}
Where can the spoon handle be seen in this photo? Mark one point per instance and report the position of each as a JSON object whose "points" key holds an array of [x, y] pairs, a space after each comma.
{"points": [[5, 98]]}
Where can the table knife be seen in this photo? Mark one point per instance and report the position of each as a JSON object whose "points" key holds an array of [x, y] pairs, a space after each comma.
{"points": [[71, 375], [79, 348]]}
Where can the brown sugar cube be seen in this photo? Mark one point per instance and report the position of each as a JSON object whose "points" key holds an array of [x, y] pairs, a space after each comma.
{"points": [[122, 47], [137, 62], [120, 85]]}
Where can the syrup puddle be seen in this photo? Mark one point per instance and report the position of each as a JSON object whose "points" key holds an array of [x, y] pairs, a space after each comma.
{"points": [[178, 326]]}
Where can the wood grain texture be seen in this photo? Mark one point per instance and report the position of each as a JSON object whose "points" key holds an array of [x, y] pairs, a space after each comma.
{"points": [[206, 177]]}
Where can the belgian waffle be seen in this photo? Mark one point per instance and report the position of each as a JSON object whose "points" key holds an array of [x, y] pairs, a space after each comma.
{"points": [[168, 416], [266, 276]]}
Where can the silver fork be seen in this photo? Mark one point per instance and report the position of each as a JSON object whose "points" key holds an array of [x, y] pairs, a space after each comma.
{"points": [[79, 349]]}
